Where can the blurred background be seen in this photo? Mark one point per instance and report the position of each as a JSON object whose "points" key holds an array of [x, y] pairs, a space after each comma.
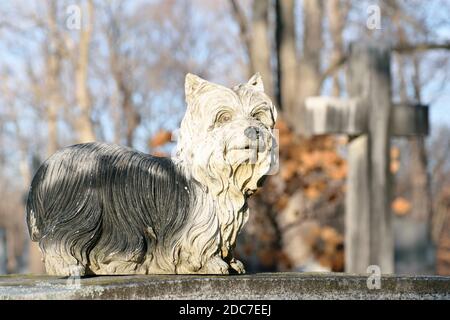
{"points": [[77, 71]]}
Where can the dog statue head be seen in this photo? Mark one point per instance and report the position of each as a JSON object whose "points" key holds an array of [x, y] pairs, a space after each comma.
{"points": [[226, 139]]}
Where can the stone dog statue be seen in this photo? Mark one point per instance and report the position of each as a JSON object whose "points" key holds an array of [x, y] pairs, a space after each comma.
{"points": [[99, 208]]}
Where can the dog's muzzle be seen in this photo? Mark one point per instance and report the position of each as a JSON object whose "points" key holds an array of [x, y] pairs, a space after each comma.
{"points": [[247, 145]]}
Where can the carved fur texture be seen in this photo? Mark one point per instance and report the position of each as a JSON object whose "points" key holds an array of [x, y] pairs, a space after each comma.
{"points": [[98, 208]]}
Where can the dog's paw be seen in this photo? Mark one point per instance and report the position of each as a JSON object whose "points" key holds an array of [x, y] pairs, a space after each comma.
{"points": [[238, 266], [216, 266]]}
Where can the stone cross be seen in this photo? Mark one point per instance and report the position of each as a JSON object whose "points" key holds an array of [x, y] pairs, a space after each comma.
{"points": [[370, 119]]}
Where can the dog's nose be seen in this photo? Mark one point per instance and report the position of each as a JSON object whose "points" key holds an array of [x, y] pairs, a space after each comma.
{"points": [[252, 133]]}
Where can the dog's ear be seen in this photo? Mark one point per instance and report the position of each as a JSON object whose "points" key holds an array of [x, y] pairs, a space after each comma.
{"points": [[191, 84], [256, 82]]}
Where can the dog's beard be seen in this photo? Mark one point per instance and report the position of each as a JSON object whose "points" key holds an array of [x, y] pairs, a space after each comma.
{"points": [[232, 162]]}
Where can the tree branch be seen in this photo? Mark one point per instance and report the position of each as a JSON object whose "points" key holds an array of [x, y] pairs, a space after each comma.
{"points": [[333, 67], [241, 19], [411, 48]]}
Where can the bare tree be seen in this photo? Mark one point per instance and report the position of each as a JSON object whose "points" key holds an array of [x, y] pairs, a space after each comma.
{"points": [[119, 64], [258, 45], [287, 55], [53, 57], [337, 11], [84, 123], [309, 72]]}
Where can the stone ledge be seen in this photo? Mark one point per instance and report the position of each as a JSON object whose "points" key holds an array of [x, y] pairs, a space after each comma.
{"points": [[255, 286]]}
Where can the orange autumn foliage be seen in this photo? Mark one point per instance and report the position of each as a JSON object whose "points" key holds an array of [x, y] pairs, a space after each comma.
{"points": [[160, 138], [313, 167], [401, 206]]}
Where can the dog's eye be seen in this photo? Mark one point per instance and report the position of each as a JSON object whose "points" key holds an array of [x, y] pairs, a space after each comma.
{"points": [[263, 117], [224, 117], [259, 116]]}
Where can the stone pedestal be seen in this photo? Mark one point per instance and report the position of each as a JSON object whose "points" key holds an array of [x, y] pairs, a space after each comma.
{"points": [[257, 286]]}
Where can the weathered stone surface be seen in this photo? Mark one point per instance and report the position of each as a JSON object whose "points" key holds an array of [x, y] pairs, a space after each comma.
{"points": [[256, 286]]}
